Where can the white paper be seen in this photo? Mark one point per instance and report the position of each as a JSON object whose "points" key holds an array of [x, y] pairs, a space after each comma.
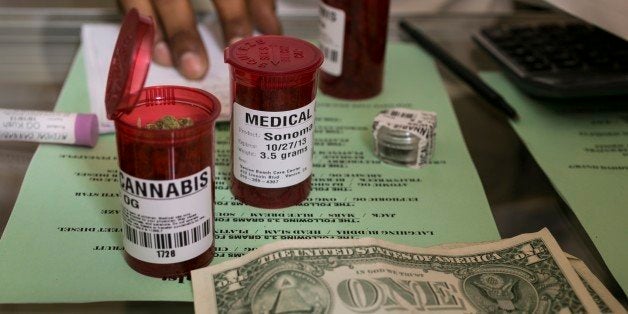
{"points": [[98, 44]]}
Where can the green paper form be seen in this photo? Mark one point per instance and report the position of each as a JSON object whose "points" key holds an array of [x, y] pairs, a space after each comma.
{"points": [[63, 241], [585, 156]]}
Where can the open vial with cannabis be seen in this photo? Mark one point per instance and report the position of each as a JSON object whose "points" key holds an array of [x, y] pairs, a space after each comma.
{"points": [[164, 137]]}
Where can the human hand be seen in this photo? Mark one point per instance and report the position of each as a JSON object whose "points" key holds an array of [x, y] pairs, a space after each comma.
{"points": [[177, 41]]}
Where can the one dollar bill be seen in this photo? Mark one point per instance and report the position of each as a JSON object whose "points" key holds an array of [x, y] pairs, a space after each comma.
{"points": [[528, 273], [605, 301], [603, 298]]}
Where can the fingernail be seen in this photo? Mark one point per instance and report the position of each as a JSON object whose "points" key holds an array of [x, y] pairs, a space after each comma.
{"points": [[234, 39], [191, 65], [162, 54]]}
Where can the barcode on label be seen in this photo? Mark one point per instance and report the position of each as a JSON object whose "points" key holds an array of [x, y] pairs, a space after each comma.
{"points": [[163, 241], [407, 115], [330, 54]]}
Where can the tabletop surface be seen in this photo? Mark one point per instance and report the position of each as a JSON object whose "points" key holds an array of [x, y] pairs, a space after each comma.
{"points": [[37, 47]]}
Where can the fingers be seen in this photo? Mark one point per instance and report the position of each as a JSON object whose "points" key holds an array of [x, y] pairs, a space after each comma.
{"points": [[177, 40], [161, 53], [234, 18], [263, 14], [179, 28]]}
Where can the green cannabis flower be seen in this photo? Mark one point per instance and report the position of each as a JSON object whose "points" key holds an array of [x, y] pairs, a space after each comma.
{"points": [[170, 123]]}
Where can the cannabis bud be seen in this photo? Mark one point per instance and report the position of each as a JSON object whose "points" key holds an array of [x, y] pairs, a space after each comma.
{"points": [[170, 123]]}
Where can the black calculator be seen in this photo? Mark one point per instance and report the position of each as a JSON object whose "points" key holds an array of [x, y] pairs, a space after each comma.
{"points": [[560, 60]]}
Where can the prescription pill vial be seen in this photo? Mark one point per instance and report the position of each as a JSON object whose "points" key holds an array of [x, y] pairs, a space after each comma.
{"points": [[165, 139], [353, 39], [273, 89]]}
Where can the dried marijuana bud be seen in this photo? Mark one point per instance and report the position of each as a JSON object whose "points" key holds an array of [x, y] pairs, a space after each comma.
{"points": [[170, 123]]}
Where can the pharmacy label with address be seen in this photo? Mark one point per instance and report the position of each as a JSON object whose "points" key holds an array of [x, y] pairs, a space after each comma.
{"points": [[272, 149]]}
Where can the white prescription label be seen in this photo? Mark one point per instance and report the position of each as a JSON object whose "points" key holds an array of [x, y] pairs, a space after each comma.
{"points": [[167, 221], [332, 37], [273, 149], [37, 126]]}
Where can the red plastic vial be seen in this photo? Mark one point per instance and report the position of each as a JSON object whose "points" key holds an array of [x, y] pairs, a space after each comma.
{"points": [[353, 39], [273, 88], [166, 174]]}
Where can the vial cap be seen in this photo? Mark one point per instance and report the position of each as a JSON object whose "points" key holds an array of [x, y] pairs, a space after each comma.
{"points": [[274, 55], [129, 64], [398, 138], [86, 129]]}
